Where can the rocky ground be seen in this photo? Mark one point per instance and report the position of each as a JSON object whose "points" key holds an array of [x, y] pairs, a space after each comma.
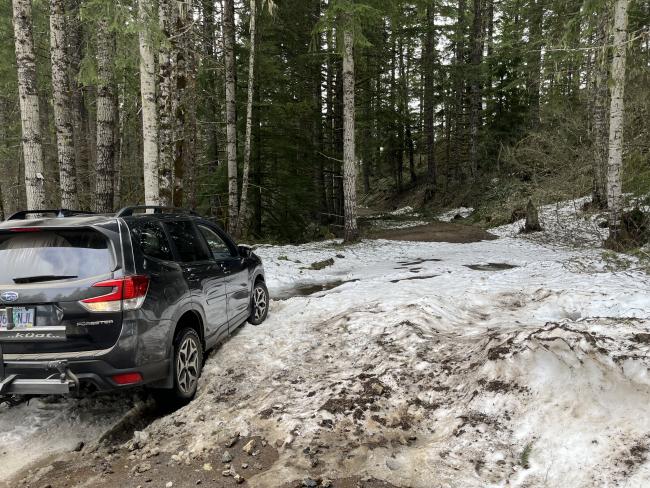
{"points": [[508, 362]]}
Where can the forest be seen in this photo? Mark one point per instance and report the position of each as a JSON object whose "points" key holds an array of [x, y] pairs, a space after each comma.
{"points": [[280, 117]]}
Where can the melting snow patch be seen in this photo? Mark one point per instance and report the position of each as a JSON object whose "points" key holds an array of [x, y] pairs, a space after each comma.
{"points": [[532, 376], [450, 215]]}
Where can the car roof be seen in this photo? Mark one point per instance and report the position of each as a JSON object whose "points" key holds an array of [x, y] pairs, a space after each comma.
{"points": [[98, 219], [75, 221]]}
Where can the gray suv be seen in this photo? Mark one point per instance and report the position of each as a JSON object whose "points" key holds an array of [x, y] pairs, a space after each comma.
{"points": [[115, 301]]}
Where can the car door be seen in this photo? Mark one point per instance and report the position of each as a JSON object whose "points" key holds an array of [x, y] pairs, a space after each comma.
{"points": [[237, 277], [167, 287], [204, 276]]}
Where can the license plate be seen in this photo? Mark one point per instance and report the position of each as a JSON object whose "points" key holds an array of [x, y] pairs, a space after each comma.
{"points": [[23, 318]]}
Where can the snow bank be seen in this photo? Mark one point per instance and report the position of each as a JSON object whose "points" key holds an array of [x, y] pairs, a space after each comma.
{"points": [[427, 372], [450, 215], [564, 223]]}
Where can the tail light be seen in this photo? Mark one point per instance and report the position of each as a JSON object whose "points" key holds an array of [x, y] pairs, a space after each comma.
{"points": [[126, 294], [127, 378]]}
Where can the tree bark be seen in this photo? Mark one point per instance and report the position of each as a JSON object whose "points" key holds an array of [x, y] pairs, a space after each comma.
{"points": [[535, 60], [63, 119], [616, 121], [29, 105], [165, 106], [80, 114], [427, 70], [231, 112], [180, 80], [349, 149], [212, 83], [190, 102], [149, 108], [600, 123], [475, 86], [104, 189], [242, 224], [459, 171]]}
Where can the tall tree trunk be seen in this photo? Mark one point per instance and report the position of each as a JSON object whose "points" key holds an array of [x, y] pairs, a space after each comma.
{"points": [[600, 123], [104, 190], [242, 224], [190, 101], [165, 105], [62, 106], [427, 70], [460, 138], [211, 127], [13, 194], [180, 80], [330, 125], [476, 99], [149, 108], [410, 144], [616, 122], [317, 115], [535, 60], [349, 149], [231, 111], [80, 114], [118, 132], [29, 105]]}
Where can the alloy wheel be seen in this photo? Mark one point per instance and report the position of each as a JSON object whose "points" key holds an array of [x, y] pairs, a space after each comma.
{"points": [[260, 301], [187, 365]]}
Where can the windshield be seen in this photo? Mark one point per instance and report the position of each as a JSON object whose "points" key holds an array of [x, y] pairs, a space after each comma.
{"points": [[53, 254]]}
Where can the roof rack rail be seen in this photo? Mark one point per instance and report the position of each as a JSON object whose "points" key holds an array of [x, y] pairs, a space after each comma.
{"points": [[157, 209], [58, 212]]}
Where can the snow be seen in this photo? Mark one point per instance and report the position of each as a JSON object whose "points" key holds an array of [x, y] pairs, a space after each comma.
{"points": [[472, 367], [47, 426], [401, 362], [564, 224], [404, 211], [450, 215]]}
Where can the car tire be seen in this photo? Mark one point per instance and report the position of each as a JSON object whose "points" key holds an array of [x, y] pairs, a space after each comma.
{"points": [[259, 304], [187, 366]]}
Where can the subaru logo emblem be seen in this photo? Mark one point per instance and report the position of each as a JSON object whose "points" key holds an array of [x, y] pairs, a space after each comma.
{"points": [[9, 296]]}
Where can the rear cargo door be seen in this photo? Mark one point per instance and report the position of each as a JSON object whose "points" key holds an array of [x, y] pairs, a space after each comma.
{"points": [[44, 273]]}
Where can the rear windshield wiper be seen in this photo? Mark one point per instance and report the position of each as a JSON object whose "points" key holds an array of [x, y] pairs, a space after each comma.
{"points": [[41, 278]]}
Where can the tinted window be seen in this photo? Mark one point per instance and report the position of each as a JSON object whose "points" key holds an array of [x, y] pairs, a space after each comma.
{"points": [[72, 253], [188, 243], [151, 238], [216, 244]]}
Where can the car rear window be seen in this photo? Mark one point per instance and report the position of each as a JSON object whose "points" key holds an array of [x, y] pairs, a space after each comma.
{"points": [[73, 253]]}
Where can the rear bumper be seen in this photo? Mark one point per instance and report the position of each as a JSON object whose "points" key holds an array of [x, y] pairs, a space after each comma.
{"points": [[49, 376], [46, 378]]}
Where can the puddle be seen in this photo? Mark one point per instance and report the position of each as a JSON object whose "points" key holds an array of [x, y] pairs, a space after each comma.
{"points": [[414, 278], [491, 266], [308, 289], [419, 261]]}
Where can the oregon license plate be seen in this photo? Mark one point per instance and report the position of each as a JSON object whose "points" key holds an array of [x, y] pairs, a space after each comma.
{"points": [[23, 318]]}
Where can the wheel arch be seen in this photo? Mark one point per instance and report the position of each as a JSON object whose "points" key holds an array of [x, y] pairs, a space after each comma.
{"points": [[191, 319]]}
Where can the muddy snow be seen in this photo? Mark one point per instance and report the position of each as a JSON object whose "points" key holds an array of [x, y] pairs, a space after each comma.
{"points": [[512, 362]]}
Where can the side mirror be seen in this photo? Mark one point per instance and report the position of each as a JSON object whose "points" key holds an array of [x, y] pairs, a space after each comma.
{"points": [[245, 251]]}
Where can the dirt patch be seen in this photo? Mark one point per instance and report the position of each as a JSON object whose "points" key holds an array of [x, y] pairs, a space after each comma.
{"points": [[356, 482], [410, 278], [419, 261], [310, 289], [118, 468], [641, 338], [356, 404], [491, 266], [435, 232]]}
